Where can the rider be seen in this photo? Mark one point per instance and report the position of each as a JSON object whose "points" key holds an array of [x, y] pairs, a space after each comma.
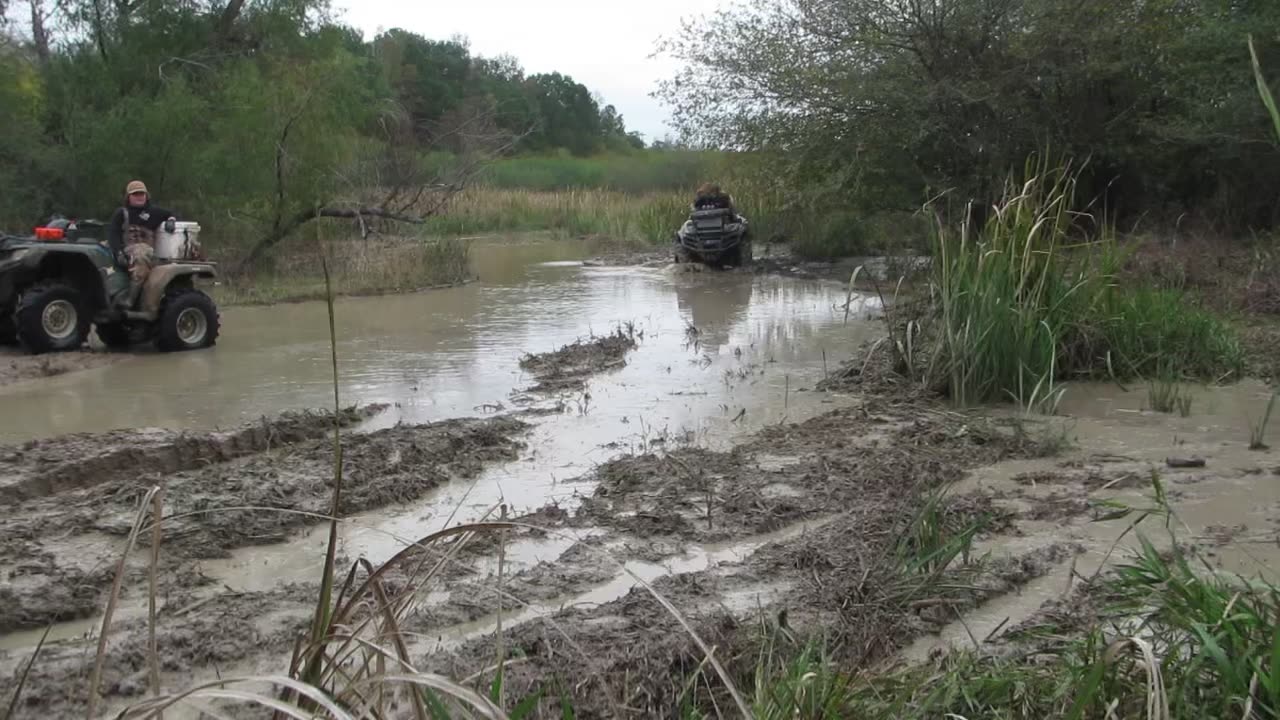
{"points": [[709, 197], [131, 234]]}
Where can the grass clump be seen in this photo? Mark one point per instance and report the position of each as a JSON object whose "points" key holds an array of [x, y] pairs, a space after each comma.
{"points": [[651, 217], [1033, 298], [1258, 430], [361, 267], [1166, 641], [1166, 395]]}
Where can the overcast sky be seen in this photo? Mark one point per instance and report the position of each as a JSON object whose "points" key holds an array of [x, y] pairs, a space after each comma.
{"points": [[603, 45]]}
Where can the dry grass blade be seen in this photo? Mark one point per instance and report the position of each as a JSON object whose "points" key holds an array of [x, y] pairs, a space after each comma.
{"points": [[1263, 90], [393, 629], [22, 679], [218, 690], [1157, 700], [707, 651], [321, 625], [96, 677], [153, 651]]}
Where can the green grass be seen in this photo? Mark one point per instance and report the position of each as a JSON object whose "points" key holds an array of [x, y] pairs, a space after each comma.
{"points": [[848, 233], [376, 266], [1165, 395], [1161, 635], [1033, 298], [652, 218], [639, 172]]}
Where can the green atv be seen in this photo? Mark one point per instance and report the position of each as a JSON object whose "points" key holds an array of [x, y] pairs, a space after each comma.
{"points": [[54, 284]]}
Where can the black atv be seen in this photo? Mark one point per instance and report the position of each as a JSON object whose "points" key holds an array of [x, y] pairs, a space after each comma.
{"points": [[714, 237], [54, 284]]}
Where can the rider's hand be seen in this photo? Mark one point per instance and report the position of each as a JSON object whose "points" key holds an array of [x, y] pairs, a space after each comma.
{"points": [[170, 225]]}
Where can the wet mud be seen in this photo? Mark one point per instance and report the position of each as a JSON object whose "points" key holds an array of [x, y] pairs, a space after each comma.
{"points": [[253, 486], [885, 524], [568, 368], [18, 366]]}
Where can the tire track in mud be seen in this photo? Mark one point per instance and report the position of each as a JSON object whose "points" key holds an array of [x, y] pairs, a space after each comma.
{"points": [[39, 468], [850, 476], [222, 491], [805, 514], [856, 477]]}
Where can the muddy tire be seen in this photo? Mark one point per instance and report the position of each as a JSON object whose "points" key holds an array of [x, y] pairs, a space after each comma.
{"points": [[52, 317], [8, 329], [115, 336], [188, 321]]}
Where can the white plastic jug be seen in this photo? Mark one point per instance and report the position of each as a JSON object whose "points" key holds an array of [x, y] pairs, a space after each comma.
{"points": [[181, 244]]}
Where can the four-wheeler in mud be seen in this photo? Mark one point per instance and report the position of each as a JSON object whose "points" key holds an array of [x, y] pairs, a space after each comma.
{"points": [[57, 282], [714, 237]]}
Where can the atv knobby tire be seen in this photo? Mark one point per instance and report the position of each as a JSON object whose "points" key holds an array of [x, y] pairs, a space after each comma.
{"points": [[115, 336], [188, 321], [52, 317], [8, 329]]}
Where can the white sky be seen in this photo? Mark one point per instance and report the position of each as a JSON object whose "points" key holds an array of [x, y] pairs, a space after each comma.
{"points": [[603, 45]]}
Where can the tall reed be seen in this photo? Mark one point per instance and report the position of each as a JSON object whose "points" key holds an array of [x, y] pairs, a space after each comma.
{"points": [[1033, 298]]}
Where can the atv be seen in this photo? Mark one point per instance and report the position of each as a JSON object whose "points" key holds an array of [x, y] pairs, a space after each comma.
{"points": [[54, 284], [714, 237]]}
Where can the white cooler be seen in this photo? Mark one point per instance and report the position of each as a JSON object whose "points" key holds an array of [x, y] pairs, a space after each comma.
{"points": [[181, 244]]}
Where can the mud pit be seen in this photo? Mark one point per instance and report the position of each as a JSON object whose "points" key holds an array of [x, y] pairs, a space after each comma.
{"points": [[785, 512], [18, 366]]}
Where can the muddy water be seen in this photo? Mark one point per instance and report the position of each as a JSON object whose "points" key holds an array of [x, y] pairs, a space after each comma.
{"points": [[759, 347], [445, 353], [1229, 509]]}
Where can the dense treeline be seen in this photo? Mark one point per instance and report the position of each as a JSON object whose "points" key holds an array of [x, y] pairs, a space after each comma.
{"points": [[880, 104], [258, 117]]}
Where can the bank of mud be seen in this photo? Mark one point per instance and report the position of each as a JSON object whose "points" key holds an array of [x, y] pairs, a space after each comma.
{"points": [[71, 502], [568, 368], [889, 528]]}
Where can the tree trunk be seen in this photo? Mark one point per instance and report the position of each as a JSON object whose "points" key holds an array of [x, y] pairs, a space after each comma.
{"points": [[227, 21], [39, 35]]}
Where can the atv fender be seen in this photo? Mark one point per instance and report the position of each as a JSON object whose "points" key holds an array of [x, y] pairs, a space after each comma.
{"points": [[162, 276]]}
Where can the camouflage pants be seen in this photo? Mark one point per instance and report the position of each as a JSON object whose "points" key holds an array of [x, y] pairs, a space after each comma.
{"points": [[141, 259]]}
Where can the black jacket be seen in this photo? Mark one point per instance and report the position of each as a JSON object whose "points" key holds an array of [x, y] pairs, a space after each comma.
{"points": [[148, 216]]}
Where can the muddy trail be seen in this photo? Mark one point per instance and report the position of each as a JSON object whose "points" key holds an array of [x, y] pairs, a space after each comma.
{"points": [[703, 479], [74, 500], [801, 512], [891, 529]]}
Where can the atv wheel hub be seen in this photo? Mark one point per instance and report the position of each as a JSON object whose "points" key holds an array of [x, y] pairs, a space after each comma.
{"points": [[59, 319], [192, 326]]}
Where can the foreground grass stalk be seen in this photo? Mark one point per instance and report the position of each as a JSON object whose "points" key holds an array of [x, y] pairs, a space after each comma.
{"points": [[320, 626], [26, 671], [153, 650], [95, 679]]}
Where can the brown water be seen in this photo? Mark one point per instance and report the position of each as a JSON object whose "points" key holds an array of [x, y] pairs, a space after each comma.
{"points": [[446, 353], [762, 344]]}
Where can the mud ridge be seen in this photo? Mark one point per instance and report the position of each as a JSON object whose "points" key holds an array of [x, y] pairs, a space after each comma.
{"points": [[17, 366], [60, 552], [44, 467], [567, 369]]}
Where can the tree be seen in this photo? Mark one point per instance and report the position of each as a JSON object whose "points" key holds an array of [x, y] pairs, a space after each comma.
{"points": [[568, 116], [880, 103]]}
